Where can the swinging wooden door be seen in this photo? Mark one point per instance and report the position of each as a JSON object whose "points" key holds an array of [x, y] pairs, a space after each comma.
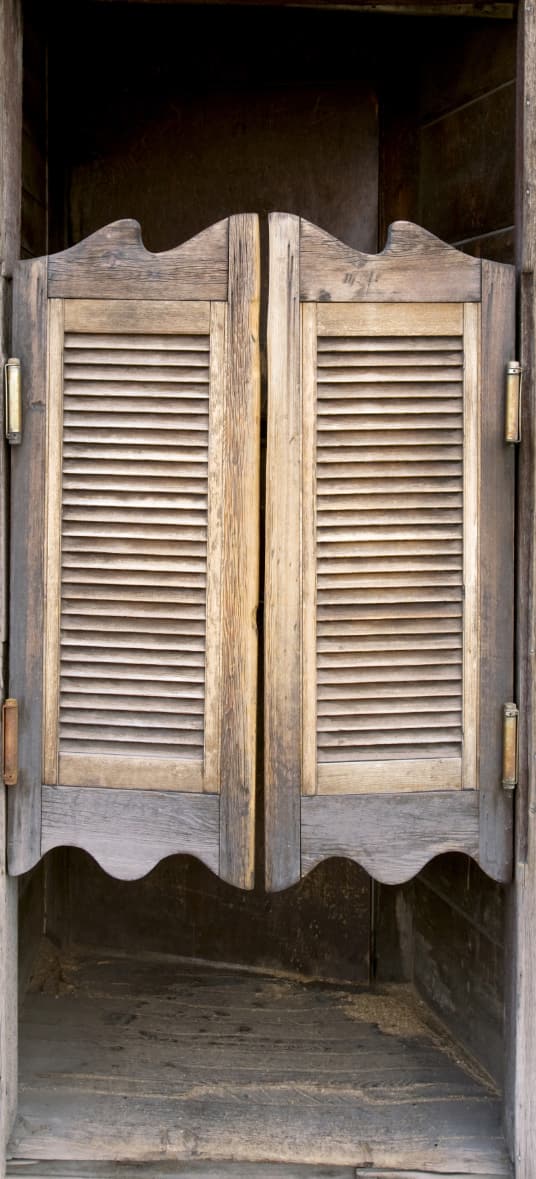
{"points": [[389, 583], [134, 567], [389, 553]]}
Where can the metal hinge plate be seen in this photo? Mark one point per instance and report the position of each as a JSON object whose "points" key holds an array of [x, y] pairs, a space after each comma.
{"points": [[512, 417], [13, 390], [10, 742], [510, 746]]}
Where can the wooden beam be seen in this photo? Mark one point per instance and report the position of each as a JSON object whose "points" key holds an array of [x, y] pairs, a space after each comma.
{"points": [[490, 10], [521, 1023]]}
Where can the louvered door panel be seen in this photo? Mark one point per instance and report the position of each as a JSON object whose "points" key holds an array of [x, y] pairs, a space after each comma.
{"points": [[389, 587], [389, 559], [133, 607], [126, 685], [389, 592]]}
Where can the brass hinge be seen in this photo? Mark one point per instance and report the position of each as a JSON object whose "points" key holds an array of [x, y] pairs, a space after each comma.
{"points": [[13, 388], [10, 742], [512, 418], [510, 746]]}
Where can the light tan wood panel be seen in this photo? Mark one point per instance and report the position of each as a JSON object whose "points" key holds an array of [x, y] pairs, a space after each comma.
{"points": [[387, 479], [128, 464]]}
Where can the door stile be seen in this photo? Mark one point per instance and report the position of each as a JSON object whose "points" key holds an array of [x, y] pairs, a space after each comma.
{"points": [[283, 622]]}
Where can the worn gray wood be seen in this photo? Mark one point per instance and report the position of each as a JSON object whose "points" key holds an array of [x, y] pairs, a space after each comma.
{"points": [[496, 565], [520, 1098], [10, 187], [161, 1060], [114, 264], [129, 831], [392, 836], [374, 1174], [283, 581], [27, 557], [193, 1170], [459, 954], [414, 267], [10, 132], [239, 492], [8, 994]]}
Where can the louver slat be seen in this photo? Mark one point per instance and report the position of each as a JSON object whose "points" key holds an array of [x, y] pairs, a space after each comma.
{"points": [[387, 440], [129, 698]]}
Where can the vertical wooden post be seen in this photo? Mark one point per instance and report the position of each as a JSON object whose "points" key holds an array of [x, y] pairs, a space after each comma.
{"points": [[10, 202], [521, 1025]]}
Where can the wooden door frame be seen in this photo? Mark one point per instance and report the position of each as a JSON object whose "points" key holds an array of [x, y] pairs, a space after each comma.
{"points": [[520, 1033], [10, 206], [521, 1022]]}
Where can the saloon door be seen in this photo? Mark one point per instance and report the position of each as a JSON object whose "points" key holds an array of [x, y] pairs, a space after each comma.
{"points": [[389, 549], [134, 559]]}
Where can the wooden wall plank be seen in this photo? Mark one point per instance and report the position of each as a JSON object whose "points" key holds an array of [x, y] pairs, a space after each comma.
{"points": [[240, 555], [193, 1170], [466, 167], [458, 942], [8, 995], [27, 557], [491, 9], [10, 132], [10, 189], [159, 825], [283, 588]]}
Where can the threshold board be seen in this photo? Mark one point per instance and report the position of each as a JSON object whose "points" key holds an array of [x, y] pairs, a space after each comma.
{"points": [[177, 1171], [18, 1170], [159, 1061]]}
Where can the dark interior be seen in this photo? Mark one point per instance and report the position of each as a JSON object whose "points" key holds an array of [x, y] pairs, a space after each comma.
{"points": [[180, 115]]}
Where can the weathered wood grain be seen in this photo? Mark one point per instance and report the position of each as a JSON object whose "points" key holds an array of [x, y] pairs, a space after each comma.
{"points": [[175, 1061], [414, 267], [192, 1170], [203, 1170], [309, 546], [473, 396], [466, 166], [374, 1174], [493, 9], [496, 568], [521, 1010], [8, 992], [129, 831], [458, 955], [10, 132], [392, 836], [114, 264], [283, 583], [240, 555], [27, 559], [394, 438], [10, 190], [213, 626], [53, 538], [164, 317]]}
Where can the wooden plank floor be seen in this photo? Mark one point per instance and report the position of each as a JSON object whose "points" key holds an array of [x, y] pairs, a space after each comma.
{"points": [[157, 1061]]}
